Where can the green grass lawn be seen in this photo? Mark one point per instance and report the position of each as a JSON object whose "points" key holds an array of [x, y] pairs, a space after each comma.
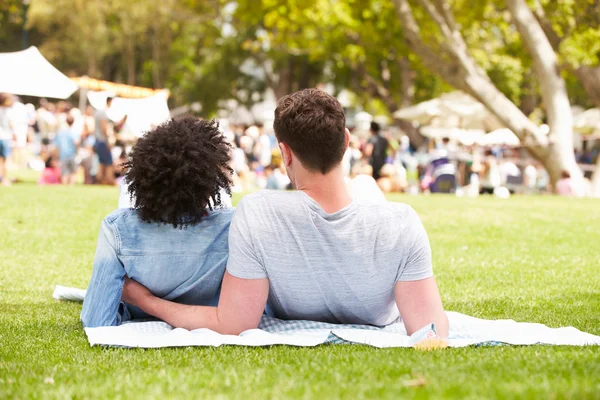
{"points": [[533, 259]]}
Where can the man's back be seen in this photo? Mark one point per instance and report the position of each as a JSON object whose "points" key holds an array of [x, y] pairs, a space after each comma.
{"points": [[99, 117], [339, 267]]}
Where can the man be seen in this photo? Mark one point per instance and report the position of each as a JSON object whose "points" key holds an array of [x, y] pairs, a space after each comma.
{"points": [[20, 121], [6, 135], [376, 150], [174, 239], [315, 254], [106, 173]]}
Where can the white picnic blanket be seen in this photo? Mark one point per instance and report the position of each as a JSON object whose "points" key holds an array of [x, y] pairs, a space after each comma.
{"points": [[464, 331]]}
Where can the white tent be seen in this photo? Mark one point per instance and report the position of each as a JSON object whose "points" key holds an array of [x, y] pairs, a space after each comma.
{"points": [[451, 110], [142, 114], [28, 73]]}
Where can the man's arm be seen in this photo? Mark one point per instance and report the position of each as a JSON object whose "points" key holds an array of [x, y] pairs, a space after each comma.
{"points": [[420, 304], [416, 291], [240, 308], [104, 126], [368, 150], [244, 291], [101, 304]]}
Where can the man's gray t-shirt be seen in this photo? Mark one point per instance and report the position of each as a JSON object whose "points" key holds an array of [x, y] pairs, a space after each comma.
{"points": [[340, 267], [100, 116]]}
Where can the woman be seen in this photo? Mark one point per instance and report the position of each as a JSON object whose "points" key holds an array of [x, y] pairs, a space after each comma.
{"points": [[174, 238]]}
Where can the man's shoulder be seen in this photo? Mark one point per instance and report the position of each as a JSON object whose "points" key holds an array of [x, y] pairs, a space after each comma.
{"points": [[266, 197], [270, 205], [389, 209]]}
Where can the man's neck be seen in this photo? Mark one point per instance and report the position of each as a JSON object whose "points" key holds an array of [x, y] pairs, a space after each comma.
{"points": [[328, 190]]}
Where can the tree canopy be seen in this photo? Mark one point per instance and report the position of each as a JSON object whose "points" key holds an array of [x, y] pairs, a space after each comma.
{"points": [[213, 50]]}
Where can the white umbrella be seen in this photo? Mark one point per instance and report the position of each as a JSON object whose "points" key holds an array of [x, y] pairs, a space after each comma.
{"points": [[500, 137], [587, 122], [466, 137], [28, 73], [451, 110]]}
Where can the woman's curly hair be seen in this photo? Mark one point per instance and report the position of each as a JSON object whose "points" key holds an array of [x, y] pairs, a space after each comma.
{"points": [[178, 170]]}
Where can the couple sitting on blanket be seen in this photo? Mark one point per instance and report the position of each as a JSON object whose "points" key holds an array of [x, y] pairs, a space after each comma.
{"points": [[311, 254]]}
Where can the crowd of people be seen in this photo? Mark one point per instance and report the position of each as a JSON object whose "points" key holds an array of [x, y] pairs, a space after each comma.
{"points": [[396, 165], [63, 142], [59, 140]]}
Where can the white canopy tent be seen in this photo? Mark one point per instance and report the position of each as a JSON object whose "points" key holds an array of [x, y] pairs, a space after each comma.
{"points": [[451, 110], [28, 73], [142, 114]]}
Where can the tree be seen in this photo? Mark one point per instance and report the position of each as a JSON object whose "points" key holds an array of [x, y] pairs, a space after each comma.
{"points": [[11, 24], [573, 29], [448, 55]]}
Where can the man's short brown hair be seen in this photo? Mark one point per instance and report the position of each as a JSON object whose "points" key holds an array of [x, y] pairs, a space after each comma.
{"points": [[312, 124]]}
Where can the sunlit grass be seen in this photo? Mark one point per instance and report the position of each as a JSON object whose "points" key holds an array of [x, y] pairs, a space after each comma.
{"points": [[531, 259]]}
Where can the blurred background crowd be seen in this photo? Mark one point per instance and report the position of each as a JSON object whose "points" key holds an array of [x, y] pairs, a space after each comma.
{"points": [[445, 96], [58, 140]]}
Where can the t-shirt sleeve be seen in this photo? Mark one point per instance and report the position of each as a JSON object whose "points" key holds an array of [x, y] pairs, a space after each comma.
{"points": [[417, 264], [243, 261]]}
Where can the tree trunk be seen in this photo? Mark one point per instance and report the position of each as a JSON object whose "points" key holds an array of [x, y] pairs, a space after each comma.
{"points": [[156, 81], [407, 83], [590, 79], [130, 60], [554, 92], [588, 76], [457, 67], [92, 65], [281, 84], [529, 98]]}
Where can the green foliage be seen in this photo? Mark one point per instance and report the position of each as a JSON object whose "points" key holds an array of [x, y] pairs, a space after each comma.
{"points": [[12, 13], [582, 48], [213, 50]]}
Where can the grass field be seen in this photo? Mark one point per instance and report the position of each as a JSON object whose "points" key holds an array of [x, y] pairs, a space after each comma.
{"points": [[531, 259]]}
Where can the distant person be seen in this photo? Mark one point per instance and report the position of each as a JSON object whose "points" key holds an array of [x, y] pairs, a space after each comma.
{"points": [[176, 174], [491, 177], [46, 120], [393, 178], [66, 142], [565, 186], [20, 122], [51, 173], [376, 150], [531, 178], [6, 136], [106, 173], [263, 148], [86, 148]]}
